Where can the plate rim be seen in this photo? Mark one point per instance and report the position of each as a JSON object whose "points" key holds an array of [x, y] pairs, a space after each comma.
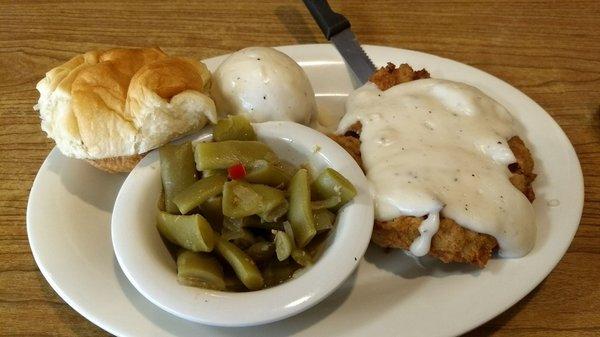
{"points": [[100, 322]]}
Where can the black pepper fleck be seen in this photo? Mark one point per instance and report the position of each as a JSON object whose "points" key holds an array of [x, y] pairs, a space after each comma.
{"points": [[264, 97]]}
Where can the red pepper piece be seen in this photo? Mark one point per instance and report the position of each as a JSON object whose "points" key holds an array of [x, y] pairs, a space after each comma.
{"points": [[236, 172]]}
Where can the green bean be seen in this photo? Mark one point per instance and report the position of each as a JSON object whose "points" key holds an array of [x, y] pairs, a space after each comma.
{"points": [[324, 220], [261, 251], [199, 270], [301, 257], [231, 228], [300, 214], [274, 203], [331, 183], [177, 171], [233, 128], [222, 155], [264, 172], [241, 237], [283, 245], [208, 173], [242, 264], [191, 232], [211, 209], [241, 199], [330, 202], [232, 224], [199, 192], [287, 227]]}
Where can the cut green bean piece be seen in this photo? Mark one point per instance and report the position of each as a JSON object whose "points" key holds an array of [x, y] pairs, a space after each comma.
{"points": [[191, 232], [209, 173], [331, 183], [199, 192], [232, 224], [234, 128], [287, 227], [324, 220], [273, 204], [300, 214], [261, 251], [276, 213], [264, 172], [241, 237], [232, 229], [177, 171], [301, 257], [199, 270], [212, 210], [241, 199], [330, 202], [222, 155], [242, 264], [283, 245]]}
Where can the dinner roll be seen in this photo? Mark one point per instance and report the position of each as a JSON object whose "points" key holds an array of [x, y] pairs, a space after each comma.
{"points": [[112, 106]]}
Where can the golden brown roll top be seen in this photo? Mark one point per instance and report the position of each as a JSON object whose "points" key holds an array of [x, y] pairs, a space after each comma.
{"points": [[123, 102]]}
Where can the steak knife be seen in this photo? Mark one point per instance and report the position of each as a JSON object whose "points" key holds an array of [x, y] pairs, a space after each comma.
{"points": [[336, 29]]}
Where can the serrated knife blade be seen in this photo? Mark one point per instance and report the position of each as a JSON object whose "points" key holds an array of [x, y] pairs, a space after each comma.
{"points": [[336, 28], [356, 58]]}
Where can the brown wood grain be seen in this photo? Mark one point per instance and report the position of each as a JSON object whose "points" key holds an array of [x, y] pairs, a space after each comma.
{"points": [[548, 49]]}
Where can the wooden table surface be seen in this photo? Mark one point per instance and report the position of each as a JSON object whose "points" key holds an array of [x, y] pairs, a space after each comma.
{"points": [[548, 49]]}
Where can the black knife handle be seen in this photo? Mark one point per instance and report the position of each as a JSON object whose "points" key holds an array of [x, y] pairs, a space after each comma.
{"points": [[329, 21]]}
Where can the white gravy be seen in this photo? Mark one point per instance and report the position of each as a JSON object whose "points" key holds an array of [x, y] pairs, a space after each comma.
{"points": [[435, 147]]}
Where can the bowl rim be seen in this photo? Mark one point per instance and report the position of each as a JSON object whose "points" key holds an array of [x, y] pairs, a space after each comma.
{"points": [[266, 305]]}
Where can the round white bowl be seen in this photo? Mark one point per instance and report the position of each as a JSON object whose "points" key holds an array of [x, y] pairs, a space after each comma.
{"points": [[150, 268]]}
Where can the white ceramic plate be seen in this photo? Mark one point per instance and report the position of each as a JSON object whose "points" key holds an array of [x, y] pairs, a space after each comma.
{"points": [[149, 266], [68, 223]]}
